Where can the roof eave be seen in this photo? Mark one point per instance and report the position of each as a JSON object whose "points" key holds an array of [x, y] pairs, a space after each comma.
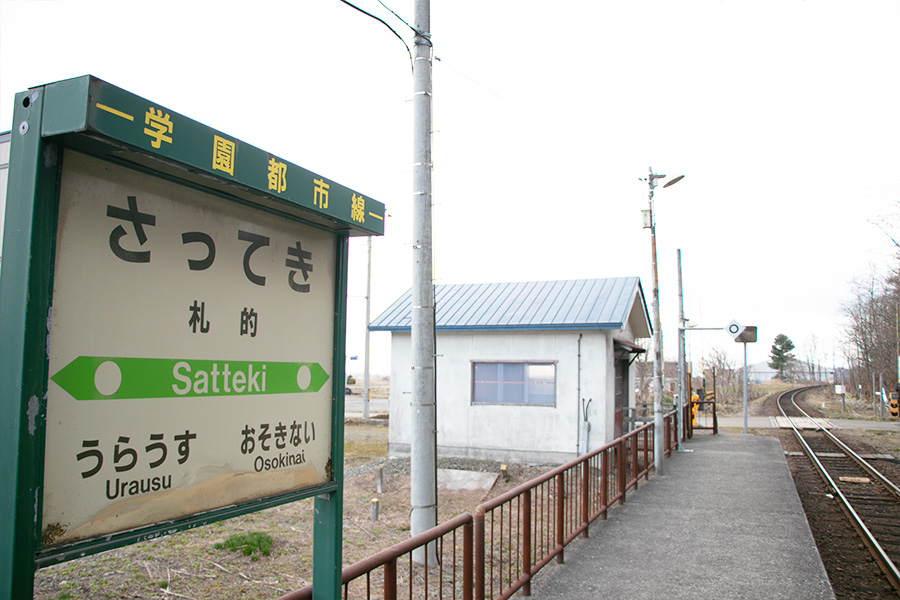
{"points": [[493, 328]]}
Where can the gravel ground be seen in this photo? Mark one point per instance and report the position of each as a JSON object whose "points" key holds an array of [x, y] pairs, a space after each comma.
{"points": [[853, 573], [400, 466]]}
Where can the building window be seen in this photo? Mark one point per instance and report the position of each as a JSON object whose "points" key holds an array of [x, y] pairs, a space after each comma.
{"points": [[514, 383]]}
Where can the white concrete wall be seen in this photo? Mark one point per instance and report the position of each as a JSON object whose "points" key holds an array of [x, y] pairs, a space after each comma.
{"points": [[400, 397], [599, 436], [503, 432]]}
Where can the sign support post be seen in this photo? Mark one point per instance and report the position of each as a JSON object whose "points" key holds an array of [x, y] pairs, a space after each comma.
{"points": [[25, 301], [743, 335], [745, 387], [329, 508]]}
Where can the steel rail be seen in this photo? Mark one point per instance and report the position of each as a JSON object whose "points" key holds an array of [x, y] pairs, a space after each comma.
{"points": [[866, 466], [884, 561]]}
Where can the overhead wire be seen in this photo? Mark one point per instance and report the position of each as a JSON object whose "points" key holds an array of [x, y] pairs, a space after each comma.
{"points": [[385, 23], [401, 19]]}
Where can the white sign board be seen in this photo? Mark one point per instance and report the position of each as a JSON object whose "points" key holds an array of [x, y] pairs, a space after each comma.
{"points": [[734, 329], [191, 354]]}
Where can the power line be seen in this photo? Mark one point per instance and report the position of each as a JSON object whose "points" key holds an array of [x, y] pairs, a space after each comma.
{"points": [[416, 31], [383, 22]]}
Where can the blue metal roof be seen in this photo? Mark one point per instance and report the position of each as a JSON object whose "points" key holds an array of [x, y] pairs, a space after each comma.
{"points": [[579, 304]]}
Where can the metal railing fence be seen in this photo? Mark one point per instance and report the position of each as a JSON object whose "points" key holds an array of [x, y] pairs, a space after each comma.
{"points": [[496, 552], [393, 573], [519, 532]]}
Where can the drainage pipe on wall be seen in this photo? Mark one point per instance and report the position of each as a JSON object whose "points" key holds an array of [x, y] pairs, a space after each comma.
{"points": [[578, 400]]}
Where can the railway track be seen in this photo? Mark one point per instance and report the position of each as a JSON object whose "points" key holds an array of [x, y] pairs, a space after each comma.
{"points": [[869, 500]]}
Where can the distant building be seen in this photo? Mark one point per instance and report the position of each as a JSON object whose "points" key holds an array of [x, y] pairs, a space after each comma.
{"points": [[760, 372], [518, 363]]}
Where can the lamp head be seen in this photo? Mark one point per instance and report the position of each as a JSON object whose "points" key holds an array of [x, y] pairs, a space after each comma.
{"points": [[674, 181]]}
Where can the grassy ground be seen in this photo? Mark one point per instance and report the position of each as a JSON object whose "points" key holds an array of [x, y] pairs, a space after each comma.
{"points": [[734, 405]]}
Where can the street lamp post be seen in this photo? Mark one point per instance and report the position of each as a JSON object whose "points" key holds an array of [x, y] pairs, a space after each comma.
{"points": [[658, 428], [679, 411]]}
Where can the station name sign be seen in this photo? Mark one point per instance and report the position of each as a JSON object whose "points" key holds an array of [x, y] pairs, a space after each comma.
{"points": [[174, 305]]}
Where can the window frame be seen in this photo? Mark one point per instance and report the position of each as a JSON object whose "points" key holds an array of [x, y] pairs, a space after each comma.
{"points": [[526, 364]]}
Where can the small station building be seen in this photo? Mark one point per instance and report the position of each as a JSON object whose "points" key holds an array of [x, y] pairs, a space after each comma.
{"points": [[526, 372]]}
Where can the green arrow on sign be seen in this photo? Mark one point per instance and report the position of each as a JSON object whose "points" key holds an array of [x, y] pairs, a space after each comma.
{"points": [[111, 378]]}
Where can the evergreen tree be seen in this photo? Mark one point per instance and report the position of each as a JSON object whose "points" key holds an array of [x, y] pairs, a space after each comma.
{"points": [[781, 355]]}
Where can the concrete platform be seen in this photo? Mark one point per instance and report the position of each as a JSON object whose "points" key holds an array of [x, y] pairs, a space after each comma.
{"points": [[723, 522]]}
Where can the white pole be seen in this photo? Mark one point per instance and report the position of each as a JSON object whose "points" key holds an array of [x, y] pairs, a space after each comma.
{"points": [[745, 387], [368, 318], [423, 459], [681, 395]]}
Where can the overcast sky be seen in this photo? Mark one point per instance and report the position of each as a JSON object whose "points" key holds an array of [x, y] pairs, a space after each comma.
{"points": [[782, 115]]}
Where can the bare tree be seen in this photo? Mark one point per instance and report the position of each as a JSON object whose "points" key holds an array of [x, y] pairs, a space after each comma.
{"points": [[870, 336], [729, 377], [810, 349]]}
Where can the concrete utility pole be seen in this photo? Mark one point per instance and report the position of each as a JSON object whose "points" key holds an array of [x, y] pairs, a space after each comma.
{"points": [[423, 449], [658, 452], [658, 437]]}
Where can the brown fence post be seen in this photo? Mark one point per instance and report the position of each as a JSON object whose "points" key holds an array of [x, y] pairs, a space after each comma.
{"points": [[646, 456], [468, 584], [390, 579], [586, 495], [560, 516], [671, 442], [526, 541], [620, 471], [635, 465], [604, 482], [478, 553], [666, 444]]}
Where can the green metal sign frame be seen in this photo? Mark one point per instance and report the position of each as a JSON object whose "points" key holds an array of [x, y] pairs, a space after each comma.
{"points": [[101, 120]]}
